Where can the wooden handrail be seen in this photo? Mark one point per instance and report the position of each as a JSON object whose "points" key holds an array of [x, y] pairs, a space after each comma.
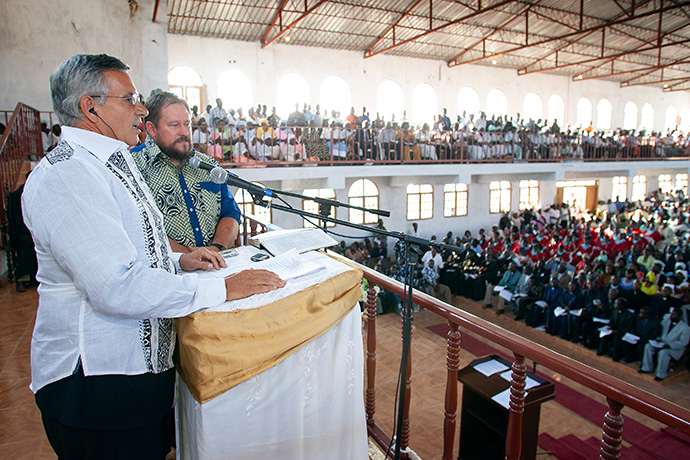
{"points": [[624, 393], [22, 137]]}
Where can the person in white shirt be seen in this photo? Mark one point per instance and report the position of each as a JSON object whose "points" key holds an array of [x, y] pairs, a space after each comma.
{"points": [[101, 350], [432, 254]]}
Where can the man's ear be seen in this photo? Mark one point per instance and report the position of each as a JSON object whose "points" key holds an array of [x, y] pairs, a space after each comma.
{"points": [[150, 129], [87, 106]]}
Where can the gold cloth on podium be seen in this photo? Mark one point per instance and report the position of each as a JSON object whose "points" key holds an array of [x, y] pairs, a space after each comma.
{"points": [[219, 350]]}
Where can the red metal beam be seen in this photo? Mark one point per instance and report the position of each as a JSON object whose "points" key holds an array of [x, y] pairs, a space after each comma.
{"points": [[265, 42], [495, 31], [155, 10], [273, 23], [576, 33], [607, 59], [392, 27], [370, 53]]}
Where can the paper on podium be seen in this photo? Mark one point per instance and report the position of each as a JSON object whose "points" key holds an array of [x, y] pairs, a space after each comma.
{"points": [[490, 367], [529, 382], [503, 398], [302, 239]]}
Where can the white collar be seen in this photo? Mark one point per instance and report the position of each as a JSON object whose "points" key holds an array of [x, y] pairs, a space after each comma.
{"points": [[102, 147]]}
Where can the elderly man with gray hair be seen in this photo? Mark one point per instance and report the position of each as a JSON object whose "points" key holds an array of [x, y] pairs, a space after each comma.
{"points": [[101, 351]]}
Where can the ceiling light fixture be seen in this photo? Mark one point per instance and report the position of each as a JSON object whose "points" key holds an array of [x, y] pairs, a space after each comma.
{"points": [[287, 38], [579, 77], [494, 61]]}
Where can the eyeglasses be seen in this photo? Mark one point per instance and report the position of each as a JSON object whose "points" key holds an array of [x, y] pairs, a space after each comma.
{"points": [[131, 98]]}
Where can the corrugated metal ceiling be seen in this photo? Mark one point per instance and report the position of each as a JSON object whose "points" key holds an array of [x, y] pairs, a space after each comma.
{"points": [[633, 42]]}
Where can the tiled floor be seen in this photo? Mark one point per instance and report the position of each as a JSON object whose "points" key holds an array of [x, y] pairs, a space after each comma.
{"points": [[22, 437]]}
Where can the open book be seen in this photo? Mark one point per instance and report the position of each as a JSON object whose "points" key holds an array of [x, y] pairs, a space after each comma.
{"points": [[302, 239]]}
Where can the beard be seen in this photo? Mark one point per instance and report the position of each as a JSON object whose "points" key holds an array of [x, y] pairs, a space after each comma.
{"points": [[177, 153]]}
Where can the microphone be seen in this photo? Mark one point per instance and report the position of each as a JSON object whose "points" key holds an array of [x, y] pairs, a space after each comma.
{"points": [[219, 175], [93, 111]]}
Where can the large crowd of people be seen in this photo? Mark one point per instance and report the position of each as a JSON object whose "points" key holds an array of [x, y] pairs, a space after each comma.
{"points": [[614, 280], [316, 135]]}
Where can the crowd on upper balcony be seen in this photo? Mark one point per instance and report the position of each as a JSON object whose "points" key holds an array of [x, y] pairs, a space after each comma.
{"points": [[316, 135], [614, 280]]}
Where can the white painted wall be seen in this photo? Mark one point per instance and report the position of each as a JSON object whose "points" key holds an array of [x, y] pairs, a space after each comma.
{"points": [[36, 36]]}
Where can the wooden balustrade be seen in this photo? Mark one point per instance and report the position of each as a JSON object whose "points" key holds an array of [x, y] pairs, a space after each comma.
{"points": [[617, 392], [451, 403]]}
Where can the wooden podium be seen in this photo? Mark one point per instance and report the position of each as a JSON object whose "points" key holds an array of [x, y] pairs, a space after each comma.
{"points": [[484, 422]]}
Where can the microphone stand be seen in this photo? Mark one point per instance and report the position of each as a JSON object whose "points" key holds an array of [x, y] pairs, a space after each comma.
{"points": [[409, 240]]}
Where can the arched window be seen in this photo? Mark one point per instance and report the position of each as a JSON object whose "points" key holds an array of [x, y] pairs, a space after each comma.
{"points": [[420, 201], [531, 108], [364, 194], [424, 105], [292, 89], [685, 119], [186, 83], [584, 113], [604, 114], [335, 95], [496, 103], [235, 89], [246, 203], [556, 110], [630, 116], [468, 102], [313, 207], [647, 119], [390, 101], [670, 119]]}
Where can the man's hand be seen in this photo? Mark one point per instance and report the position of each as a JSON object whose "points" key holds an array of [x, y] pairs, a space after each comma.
{"points": [[201, 259], [249, 282]]}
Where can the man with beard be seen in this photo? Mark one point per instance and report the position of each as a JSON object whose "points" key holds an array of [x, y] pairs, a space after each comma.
{"points": [[196, 211]]}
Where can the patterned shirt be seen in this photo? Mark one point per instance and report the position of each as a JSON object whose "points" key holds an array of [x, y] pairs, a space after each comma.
{"points": [[108, 286], [191, 204]]}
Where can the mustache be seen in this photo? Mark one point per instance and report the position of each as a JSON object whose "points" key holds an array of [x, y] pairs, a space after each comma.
{"points": [[183, 138]]}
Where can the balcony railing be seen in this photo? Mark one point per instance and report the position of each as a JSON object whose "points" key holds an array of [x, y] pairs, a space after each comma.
{"points": [[618, 394], [22, 137], [328, 146]]}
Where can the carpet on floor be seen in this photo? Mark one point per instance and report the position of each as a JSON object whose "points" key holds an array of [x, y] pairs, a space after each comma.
{"points": [[668, 443]]}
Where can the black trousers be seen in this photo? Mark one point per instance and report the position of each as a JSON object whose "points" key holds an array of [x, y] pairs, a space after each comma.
{"points": [[106, 417], [150, 442]]}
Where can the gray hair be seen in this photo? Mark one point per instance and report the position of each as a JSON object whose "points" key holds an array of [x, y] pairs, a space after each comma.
{"points": [[160, 100], [79, 76]]}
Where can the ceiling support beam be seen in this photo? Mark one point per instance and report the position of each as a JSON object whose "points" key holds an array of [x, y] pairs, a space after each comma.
{"points": [[620, 20], [392, 27], [482, 41], [265, 41], [370, 52]]}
